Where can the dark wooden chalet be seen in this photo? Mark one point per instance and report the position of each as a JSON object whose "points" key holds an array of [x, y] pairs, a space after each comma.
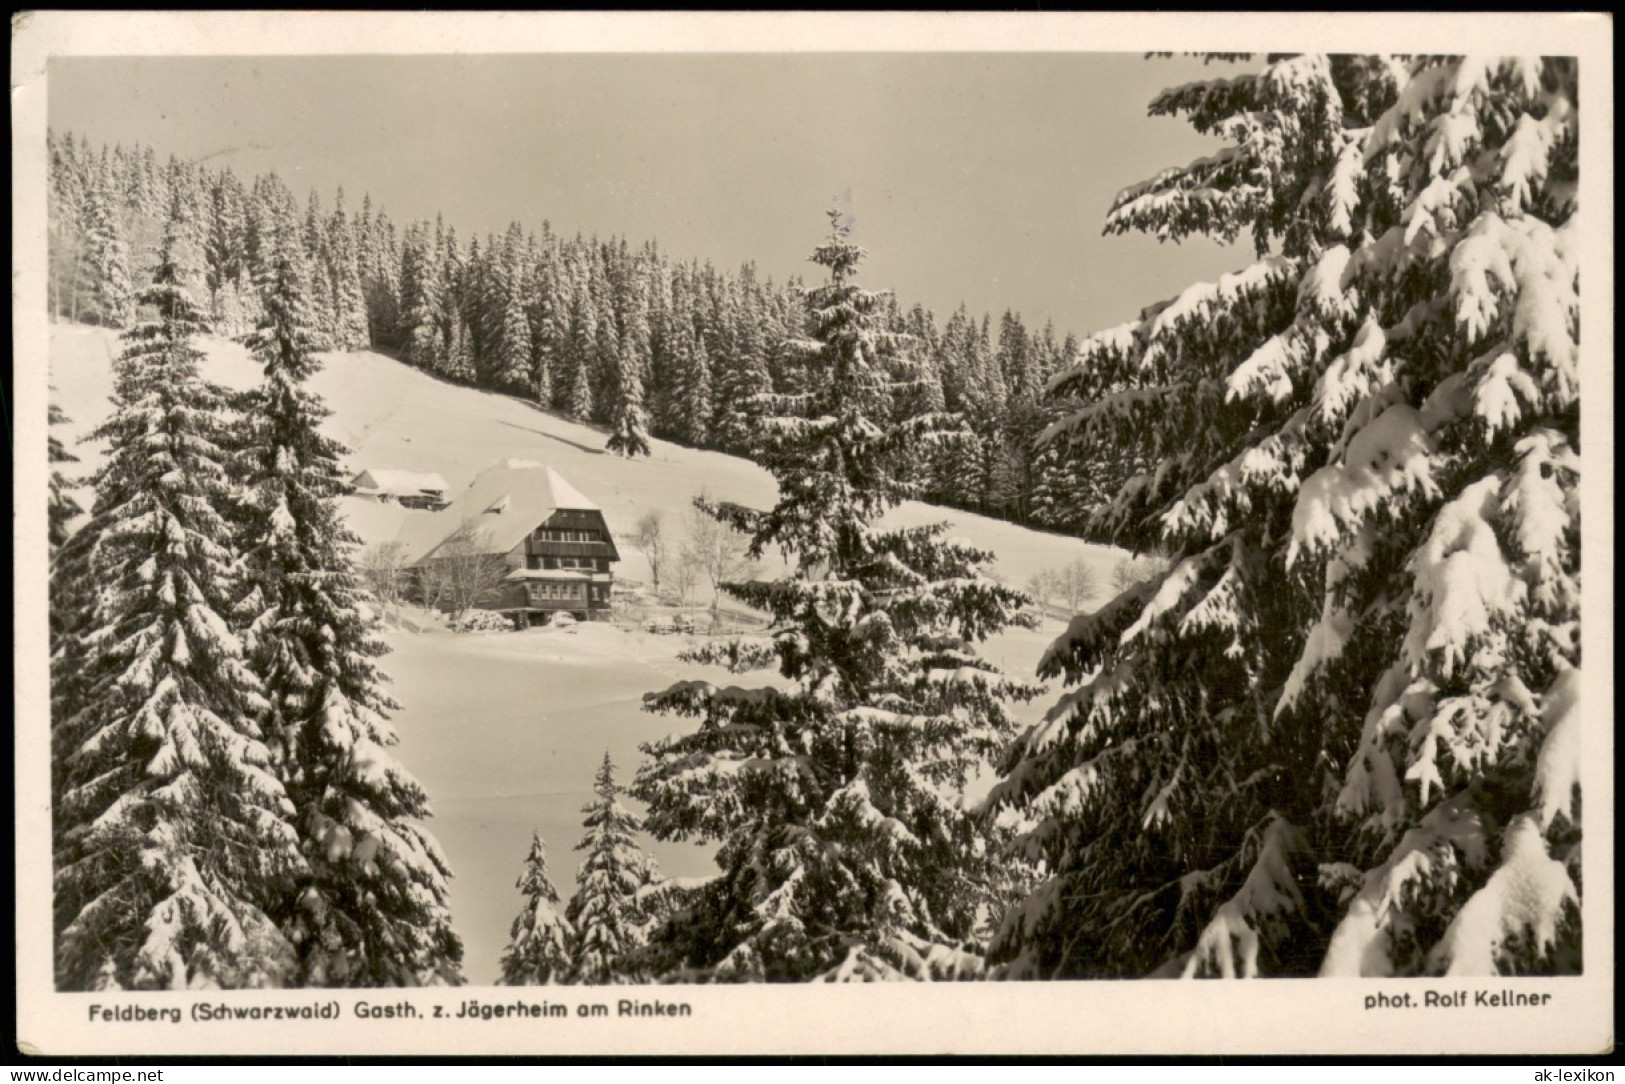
{"points": [[554, 542]]}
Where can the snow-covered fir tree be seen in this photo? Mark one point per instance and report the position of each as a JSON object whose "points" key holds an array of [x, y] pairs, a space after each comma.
{"points": [[843, 848], [743, 380], [574, 384], [421, 299], [172, 830], [923, 393], [72, 595], [322, 297], [1076, 473], [369, 906], [379, 260], [235, 309], [65, 211], [1340, 733], [608, 920], [62, 508], [225, 241], [107, 291], [540, 940], [629, 424], [484, 299], [344, 268], [691, 401], [606, 350], [547, 337], [459, 356], [514, 367]]}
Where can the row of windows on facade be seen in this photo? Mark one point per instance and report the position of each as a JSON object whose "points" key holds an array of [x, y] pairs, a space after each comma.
{"points": [[567, 592], [590, 564]]}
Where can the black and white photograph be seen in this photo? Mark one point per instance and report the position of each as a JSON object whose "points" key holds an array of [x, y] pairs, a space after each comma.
{"points": [[871, 509]]}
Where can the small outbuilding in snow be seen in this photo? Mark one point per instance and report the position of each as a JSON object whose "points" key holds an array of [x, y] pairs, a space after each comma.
{"points": [[410, 489], [521, 541]]}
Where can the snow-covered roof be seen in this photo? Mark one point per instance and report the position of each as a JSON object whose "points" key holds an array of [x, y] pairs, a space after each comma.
{"points": [[372, 522], [503, 504], [399, 482], [565, 495]]}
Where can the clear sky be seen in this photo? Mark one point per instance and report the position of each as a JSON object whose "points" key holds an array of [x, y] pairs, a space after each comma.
{"points": [[975, 177]]}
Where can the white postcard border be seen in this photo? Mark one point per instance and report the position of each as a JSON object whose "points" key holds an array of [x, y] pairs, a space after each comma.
{"points": [[1321, 1017]]}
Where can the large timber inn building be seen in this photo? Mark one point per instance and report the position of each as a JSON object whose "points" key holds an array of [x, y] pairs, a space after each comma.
{"points": [[554, 542]]}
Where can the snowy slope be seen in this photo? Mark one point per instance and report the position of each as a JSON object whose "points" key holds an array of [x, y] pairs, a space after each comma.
{"points": [[506, 730], [393, 416]]}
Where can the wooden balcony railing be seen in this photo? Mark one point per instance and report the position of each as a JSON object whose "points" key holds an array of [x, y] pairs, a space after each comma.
{"points": [[534, 548]]}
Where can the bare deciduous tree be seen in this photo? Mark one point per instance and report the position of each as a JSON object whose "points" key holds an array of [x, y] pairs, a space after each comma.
{"points": [[460, 574], [682, 573], [716, 549], [1077, 584], [1042, 586], [1069, 586], [651, 539], [1134, 572], [382, 568]]}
